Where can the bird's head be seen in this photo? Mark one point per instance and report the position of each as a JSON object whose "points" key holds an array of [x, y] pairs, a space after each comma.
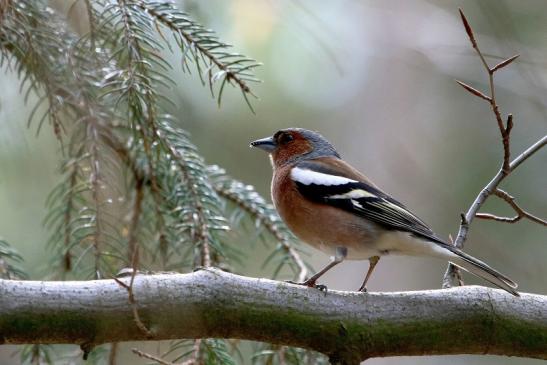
{"points": [[295, 144]]}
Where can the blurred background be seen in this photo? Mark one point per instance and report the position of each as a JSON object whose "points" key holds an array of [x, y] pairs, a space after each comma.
{"points": [[375, 78]]}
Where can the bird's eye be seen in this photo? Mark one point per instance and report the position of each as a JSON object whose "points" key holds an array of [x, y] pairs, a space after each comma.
{"points": [[284, 138]]}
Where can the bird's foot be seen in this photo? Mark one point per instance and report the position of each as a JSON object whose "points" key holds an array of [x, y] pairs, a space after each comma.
{"points": [[309, 283], [363, 289]]}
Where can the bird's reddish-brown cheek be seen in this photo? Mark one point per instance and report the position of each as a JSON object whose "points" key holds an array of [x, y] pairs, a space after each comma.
{"points": [[296, 148]]}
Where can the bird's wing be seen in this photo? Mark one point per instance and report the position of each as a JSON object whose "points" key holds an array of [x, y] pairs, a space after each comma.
{"points": [[339, 185]]}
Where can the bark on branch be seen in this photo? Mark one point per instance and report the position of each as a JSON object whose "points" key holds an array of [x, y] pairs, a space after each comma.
{"points": [[347, 326]]}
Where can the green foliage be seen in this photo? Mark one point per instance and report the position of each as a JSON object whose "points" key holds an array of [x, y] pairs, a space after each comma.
{"points": [[202, 47], [246, 200], [269, 354], [216, 352], [37, 354], [10, 262], [134, 189]]}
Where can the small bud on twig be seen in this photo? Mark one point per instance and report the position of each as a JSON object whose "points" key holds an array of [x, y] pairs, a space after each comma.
{"points": [[474, 91], [463, 219], [504, 63], [506, 134], [468, 29], [509, 124]]}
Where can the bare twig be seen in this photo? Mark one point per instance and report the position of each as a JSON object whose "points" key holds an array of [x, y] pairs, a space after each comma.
{"points": [[281, 354], [492, 98], [196, 354], [91, 21], [3, 6], [504, 63], [507, 165], [491, 187], [96, 181], [493, 217], [151, 357], [528, 152], [67, 259], [133, 253], [113, 353], [468, 29], [131, 298], [521, 213], [505, 134], [474, 91], [132, 240], [303, 271]]}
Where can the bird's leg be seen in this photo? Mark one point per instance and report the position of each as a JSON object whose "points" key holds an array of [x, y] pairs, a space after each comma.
{"points": [[339, 256], [373, 261]]}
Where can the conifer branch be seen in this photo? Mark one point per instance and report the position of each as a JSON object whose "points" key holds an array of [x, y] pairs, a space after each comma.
{"points": [[10, 262], [204, 48], [246, 198]]}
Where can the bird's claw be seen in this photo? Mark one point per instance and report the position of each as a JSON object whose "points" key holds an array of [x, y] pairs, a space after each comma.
{"points": [[309, 284], [321, 287]]}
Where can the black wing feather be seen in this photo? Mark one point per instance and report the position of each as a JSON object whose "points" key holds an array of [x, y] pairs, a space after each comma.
{"points": [[375, 205]]}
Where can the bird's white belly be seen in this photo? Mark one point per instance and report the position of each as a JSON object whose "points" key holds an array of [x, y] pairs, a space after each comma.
{"points": [[393, 243]]}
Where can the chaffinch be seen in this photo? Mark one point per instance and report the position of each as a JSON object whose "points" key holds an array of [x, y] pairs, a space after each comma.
{"points": [[333, 207]]}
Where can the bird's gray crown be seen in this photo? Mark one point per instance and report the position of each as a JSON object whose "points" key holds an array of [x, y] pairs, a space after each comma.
{"points": [[321, 147]]}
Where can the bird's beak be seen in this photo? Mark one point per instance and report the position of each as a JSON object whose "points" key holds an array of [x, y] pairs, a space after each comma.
{"points": [[267, 144]]}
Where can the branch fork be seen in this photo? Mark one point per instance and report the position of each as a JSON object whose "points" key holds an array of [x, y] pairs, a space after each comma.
{"points": [[507, 166], [521, 213]]}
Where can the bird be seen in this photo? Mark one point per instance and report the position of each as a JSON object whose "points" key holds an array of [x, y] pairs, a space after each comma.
{"points": [[330, 205]]}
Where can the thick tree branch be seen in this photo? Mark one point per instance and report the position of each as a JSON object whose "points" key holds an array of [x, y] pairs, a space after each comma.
{"points": [[347, 326]]}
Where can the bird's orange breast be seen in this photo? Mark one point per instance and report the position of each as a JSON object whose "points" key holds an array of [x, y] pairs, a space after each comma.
{"points": [[320, 225]]}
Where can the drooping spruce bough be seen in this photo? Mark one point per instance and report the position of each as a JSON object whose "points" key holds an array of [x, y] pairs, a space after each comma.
{"points": [[133, 191]]}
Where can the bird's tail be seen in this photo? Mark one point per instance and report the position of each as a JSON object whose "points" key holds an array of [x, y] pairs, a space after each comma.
{"points": [[480, 269]]}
